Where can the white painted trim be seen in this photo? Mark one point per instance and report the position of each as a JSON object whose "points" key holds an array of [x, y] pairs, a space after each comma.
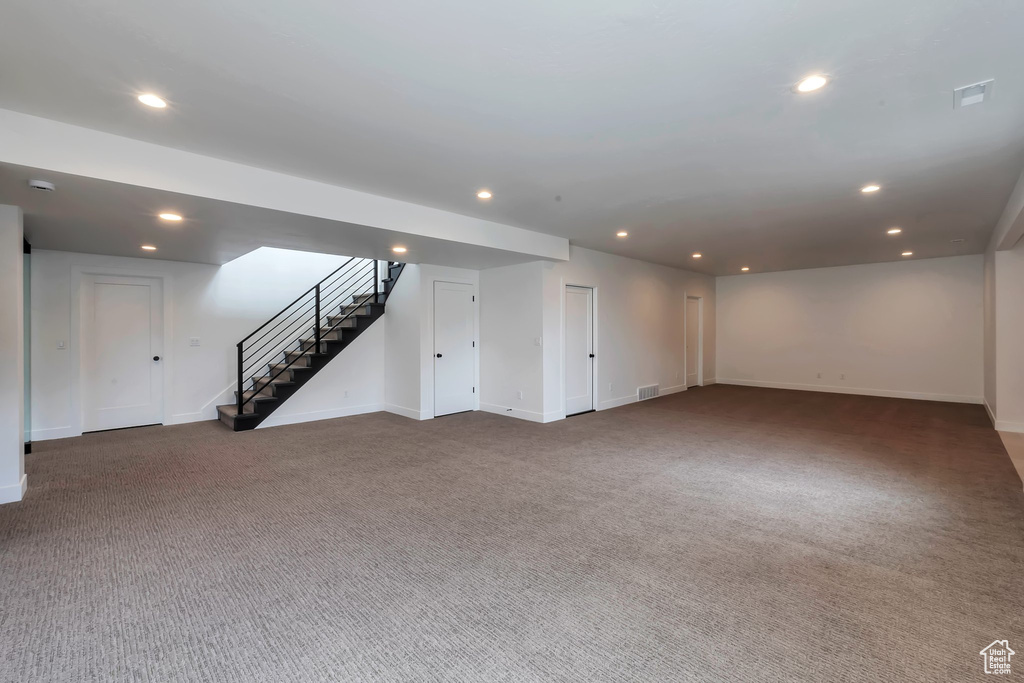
{"points": [[410, 413], [856, 391], [55, 433], [185, 418], [671, 390], [1007, 426], [529, 415], [553, 416], [710, 381], [991, 413], [315, 415], [616, 402], [15, 492]]}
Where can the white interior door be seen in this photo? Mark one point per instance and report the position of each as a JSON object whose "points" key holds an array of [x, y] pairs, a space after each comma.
{"points": [[122, 346], [579, 350], [693, 335], [454, 348]]}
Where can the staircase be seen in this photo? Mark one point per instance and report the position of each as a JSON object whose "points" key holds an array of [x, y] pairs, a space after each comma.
{"points": [[285, 352]]}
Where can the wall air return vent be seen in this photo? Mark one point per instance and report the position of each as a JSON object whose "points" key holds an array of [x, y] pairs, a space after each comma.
{"points": [[972, 94], [644, 393]]}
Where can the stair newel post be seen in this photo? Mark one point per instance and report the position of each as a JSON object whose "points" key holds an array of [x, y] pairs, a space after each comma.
{"points": [[241, 387], [376, 281], [316, 322]]}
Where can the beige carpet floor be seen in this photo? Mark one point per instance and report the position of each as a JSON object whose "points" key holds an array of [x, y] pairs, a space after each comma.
{"points": [[726, 533]]}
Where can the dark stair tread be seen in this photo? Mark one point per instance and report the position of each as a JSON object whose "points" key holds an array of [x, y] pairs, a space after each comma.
{"points": [[261, 399]]}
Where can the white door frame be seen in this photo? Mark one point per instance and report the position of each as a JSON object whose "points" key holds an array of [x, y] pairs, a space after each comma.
{"points": [[75, 346], [427, 393], [597, 349], [700, 338]]}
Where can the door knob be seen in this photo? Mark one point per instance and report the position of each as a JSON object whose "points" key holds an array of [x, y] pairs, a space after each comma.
{"points": [[591, 355], [156, 357], [438, 355]]}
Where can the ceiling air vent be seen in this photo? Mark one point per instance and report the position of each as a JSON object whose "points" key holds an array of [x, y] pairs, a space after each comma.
{"points": [[972, 94], [644, 393]]}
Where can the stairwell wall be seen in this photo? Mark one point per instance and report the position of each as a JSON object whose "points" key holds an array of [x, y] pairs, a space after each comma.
{"points": [[217, 304]]}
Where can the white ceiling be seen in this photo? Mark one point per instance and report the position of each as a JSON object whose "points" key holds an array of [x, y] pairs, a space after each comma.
{"points": [[93, 216], [673, 120]]}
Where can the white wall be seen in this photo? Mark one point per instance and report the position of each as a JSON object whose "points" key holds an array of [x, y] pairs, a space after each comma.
{"points": [[640, 312], [351, 384], [989, 333], [639, 318], [911, 329], [511, 324], [12, 348], [1009, 339], [402, 324], [220, 305]]}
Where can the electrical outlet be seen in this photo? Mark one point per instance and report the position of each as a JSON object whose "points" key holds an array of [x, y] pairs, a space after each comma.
{"points": [[842, 376], [519, 395], [819, 375], [677, 374], [346, 393], [611, 387], [538, 341], [193, 341], [61, 345]]}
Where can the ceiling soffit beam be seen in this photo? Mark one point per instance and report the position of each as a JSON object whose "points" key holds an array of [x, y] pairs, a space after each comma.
{"points": [[1010, 228], [42, 143]]}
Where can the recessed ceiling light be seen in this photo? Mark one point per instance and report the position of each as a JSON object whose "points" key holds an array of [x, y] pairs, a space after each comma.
{"points": [[484, 194], [894, 231], [170, 217], [868, 189], [399, 250], [698, 255], [148, 247], [151, 100], [907, 253], [744, 269], [622, 233], [811, 83]]}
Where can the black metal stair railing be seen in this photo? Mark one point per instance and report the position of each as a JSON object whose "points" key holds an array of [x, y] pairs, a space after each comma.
{"points": [[308, 318]]}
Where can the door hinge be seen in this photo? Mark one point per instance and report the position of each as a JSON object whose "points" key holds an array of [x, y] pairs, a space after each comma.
{"points": [[474, 345], [474, 390], [474, 297]]}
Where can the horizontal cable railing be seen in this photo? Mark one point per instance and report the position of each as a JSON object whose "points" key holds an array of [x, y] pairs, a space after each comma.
{"points": [[307, 321]]}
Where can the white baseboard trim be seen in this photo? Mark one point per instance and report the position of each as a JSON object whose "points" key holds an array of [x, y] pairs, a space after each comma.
{"points": [[672, 390], [991, 413], [555, 415], [276, 420], [709, 382], [404, 412], [529, 415], [185, 418], [1007, 426], [616, 402], [54, 433], [14, 492], [856, 391]]}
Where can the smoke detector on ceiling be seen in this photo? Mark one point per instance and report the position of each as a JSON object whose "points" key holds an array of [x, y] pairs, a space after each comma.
{"points": [[972, 94], [42, 185]]}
